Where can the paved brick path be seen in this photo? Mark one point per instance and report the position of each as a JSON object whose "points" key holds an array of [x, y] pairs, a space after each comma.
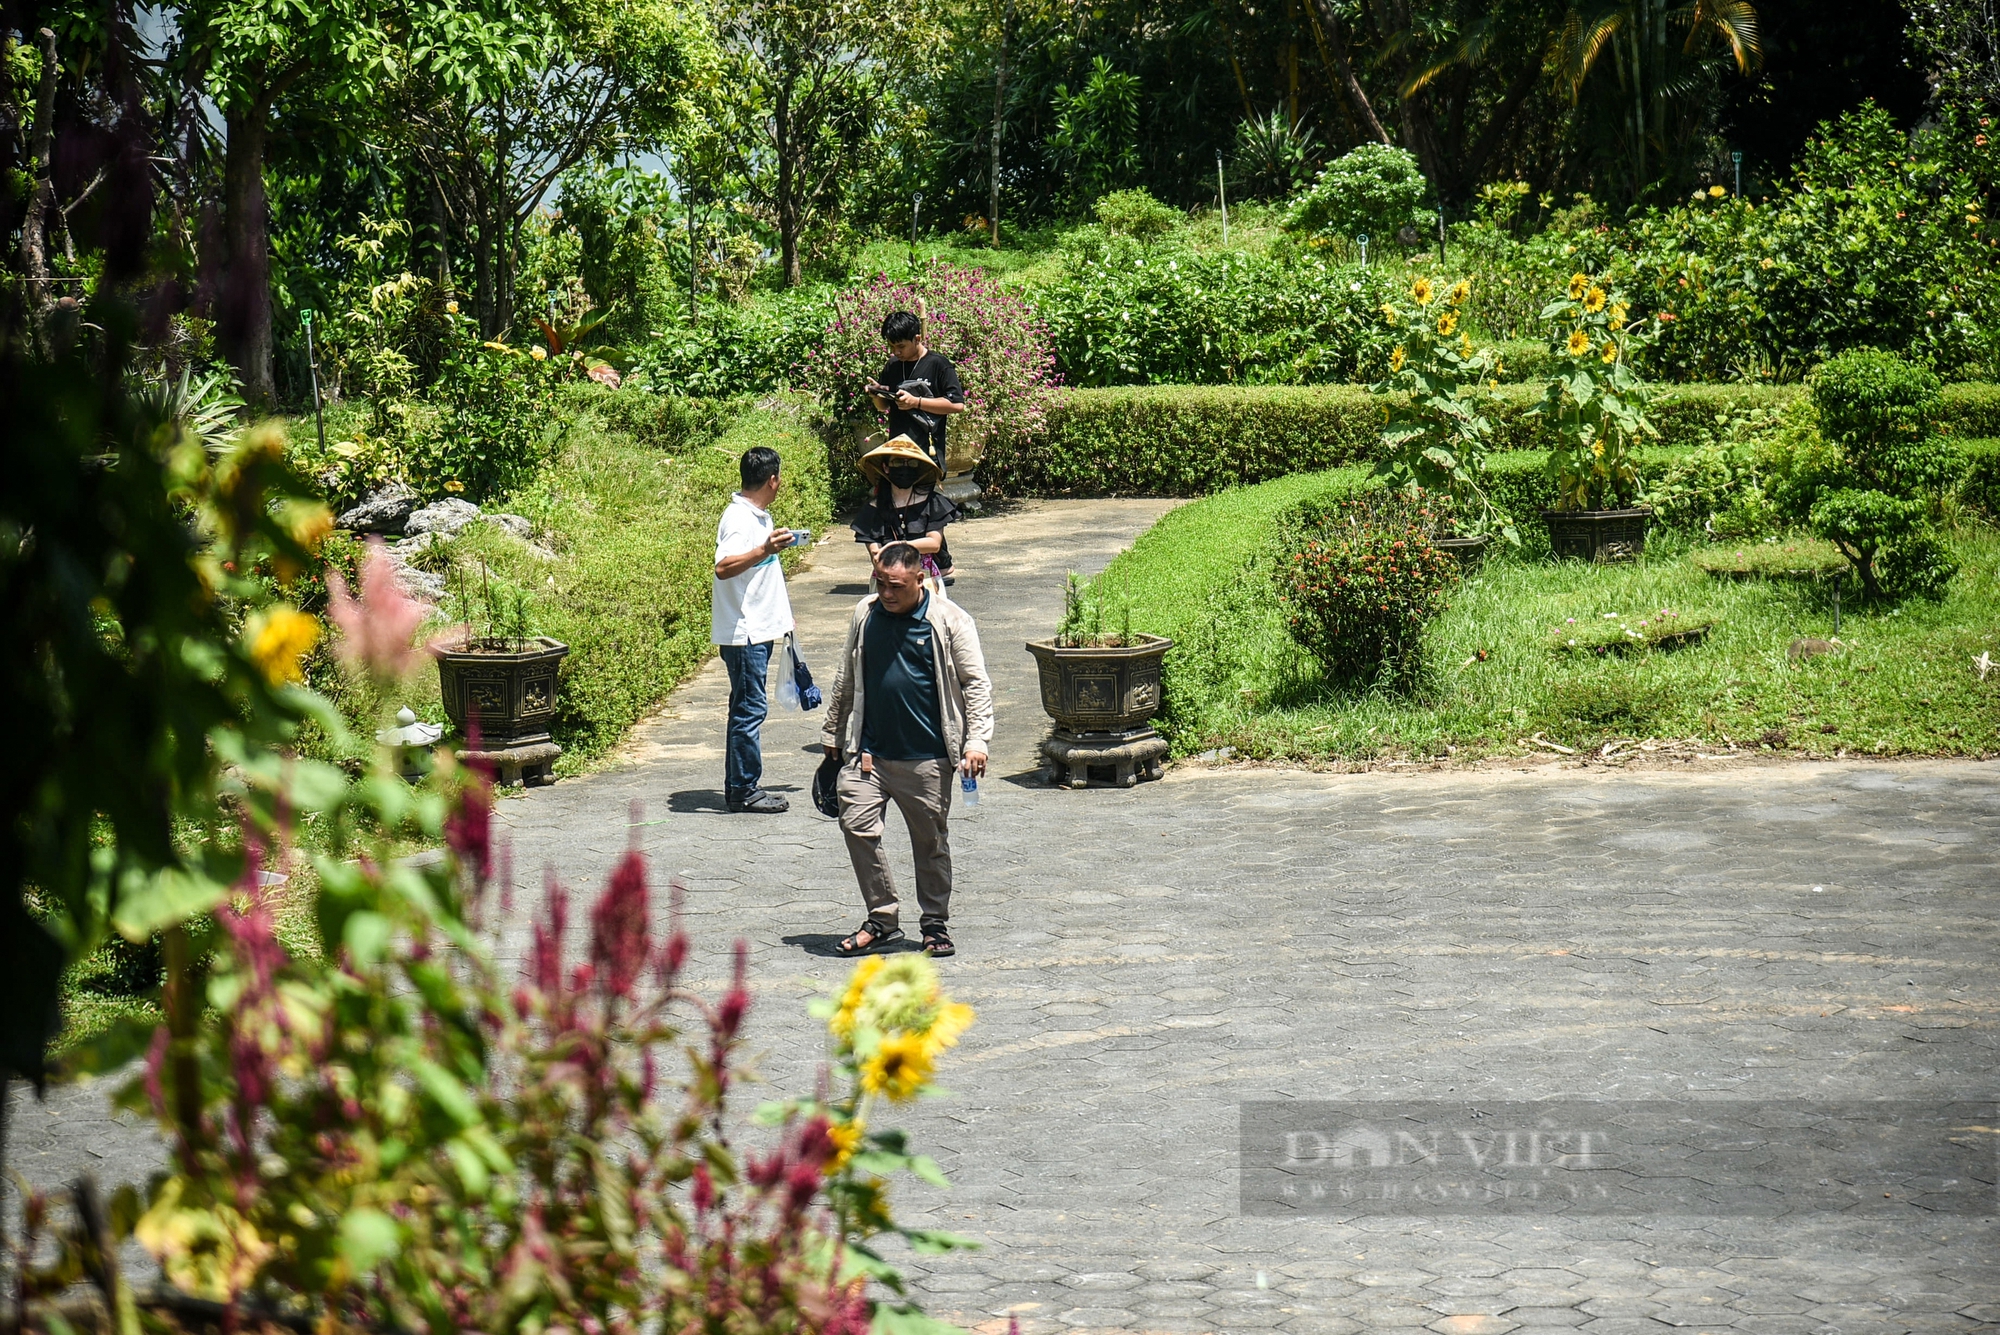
{"points": [[1144, 962]]}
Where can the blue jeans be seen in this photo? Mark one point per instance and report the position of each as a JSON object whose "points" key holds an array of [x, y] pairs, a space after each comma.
{"points": [[743, 756]]}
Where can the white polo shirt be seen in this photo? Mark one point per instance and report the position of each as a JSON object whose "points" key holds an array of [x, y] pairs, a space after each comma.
{"points": [[753, 607]]}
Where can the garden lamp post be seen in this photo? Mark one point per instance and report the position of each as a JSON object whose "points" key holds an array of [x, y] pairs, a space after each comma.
{"points": [[1736, 161], [916, 205], [312, 365], [1362, 241], [1222, 196]]}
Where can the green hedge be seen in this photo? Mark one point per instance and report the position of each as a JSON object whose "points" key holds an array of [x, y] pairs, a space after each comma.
{"points": [[1190, 440], [1981, 486]]}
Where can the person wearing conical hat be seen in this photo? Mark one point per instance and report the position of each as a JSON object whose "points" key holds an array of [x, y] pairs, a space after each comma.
{"points": [[907, 505]]}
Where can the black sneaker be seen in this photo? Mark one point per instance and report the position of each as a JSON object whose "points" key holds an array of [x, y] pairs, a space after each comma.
{"points": [[761, 802]]}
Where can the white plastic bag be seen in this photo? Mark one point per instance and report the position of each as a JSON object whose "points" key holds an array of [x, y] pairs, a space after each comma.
{"points": [[788, 684]]}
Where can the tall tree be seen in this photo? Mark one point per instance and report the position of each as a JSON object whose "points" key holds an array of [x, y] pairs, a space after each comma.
{"points": [[1652, 43], [581, 81], [807, 82]]}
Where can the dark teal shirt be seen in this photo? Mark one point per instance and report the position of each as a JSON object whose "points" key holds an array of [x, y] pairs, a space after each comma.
{"points": [[902, 719]]}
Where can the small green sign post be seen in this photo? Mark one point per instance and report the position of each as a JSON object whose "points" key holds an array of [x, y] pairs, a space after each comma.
{"points": [[312, 365]]}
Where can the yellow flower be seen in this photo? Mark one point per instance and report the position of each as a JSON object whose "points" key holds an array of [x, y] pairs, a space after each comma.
{"points": [[538, 354], [279, 637], [210, 1251], [842, 1023], [899, 1068], [1579, 343], [1423, 292], [1460, 292], [1447, 323], [1577, 283], [1396, 360], [454, 485], [1610, 351], [1465, 345], [1618, 313], [1597, 448], [953, 1019], [1593, 300], [846, 1137], [1716, 192], [451, 308]]}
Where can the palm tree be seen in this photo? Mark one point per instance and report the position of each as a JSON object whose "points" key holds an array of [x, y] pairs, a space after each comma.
{"points": [[1635, 33]]}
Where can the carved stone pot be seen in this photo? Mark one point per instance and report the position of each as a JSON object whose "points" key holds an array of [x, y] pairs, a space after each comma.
{"points": [[1600, 536], [505, 696], [1102, 700]]}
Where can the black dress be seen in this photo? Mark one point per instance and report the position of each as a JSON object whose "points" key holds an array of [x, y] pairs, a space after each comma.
{"points": [[881, 522]]}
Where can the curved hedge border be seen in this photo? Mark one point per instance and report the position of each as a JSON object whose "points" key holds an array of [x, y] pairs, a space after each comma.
{"points": [[1190, 440]]}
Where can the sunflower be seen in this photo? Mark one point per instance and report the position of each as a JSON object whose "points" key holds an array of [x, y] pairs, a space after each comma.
{"points": [[846, 1136], [1465, 345], [953, 1019], [842, 1023], [1423, 291], [1447, 323], [278, 639], [1593, 300], [1610, 351], [1460, 292], [1579, 343], [1577, 283], [1395, 361], [899, 1068], [1618, 313]]}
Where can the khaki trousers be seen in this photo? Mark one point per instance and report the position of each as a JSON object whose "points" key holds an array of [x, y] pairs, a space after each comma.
{"points": [[921, 790]]}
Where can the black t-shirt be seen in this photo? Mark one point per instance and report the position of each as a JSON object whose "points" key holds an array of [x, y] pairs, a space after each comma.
{"points": [[927, 429], [901, 716], [884, 523]]}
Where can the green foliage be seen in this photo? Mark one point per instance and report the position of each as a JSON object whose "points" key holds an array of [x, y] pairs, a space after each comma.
{"points": [[1790, 556], [1495, 684], [149, 656], [484, 425], [1920, 566], [1097, 132], [1436, 432], [1881, 470], [1273, 157], [1359, 579], [1717, 487], [1123, 312], [1374, 191], [1136, 214], [1596, 409]]}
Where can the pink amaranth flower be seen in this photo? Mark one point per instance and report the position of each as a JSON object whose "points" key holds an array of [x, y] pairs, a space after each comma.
{"points": [[619, 940], [377, 630]]}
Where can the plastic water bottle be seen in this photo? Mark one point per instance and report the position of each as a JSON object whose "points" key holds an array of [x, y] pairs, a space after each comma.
{"points": [[968, 788]]}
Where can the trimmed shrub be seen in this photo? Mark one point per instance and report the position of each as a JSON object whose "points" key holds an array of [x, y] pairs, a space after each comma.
{"points": [[1190, 440], [1879, 412], [1359, 579], [1375, 190], [1980, 485]]}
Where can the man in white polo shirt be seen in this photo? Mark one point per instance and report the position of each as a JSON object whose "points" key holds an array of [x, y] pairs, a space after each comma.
{"points": [[752, 613]]}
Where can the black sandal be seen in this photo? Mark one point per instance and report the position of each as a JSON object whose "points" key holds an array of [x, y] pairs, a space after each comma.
{"points": [[879, 935], [937, 941]]}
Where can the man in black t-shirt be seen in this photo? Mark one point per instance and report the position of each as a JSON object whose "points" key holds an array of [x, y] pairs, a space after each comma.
{"points": [[919, 412]]}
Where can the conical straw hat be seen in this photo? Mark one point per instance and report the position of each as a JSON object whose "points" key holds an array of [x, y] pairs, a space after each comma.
{"points": [[899, 449]]}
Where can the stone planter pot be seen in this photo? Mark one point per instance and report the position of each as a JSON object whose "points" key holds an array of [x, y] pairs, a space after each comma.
{"points": [[506, 697], [1467, 551], [1102, 700], [1599, 536]]}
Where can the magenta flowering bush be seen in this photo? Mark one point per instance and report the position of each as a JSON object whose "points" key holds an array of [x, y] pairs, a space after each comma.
{"points": [[401, 1134], [1001, 348]]}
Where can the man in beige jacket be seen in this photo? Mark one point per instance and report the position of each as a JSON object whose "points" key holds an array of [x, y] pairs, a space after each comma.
{"points": [[911, 709]]}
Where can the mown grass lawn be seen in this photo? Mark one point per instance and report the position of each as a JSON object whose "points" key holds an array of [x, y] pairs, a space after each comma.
{"points": [[1904, 681]]}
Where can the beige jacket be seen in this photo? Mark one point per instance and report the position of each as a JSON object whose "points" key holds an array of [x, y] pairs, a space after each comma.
{"points": [[965, 695]]}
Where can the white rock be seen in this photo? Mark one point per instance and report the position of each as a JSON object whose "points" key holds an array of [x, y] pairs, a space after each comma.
{"points": [[513, 524], [385, 511], [447, 517]]}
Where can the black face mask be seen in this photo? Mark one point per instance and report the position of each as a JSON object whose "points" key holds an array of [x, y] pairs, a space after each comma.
{"points": [[906, 475]]}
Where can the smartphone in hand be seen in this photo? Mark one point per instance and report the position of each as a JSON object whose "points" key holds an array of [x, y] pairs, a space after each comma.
{"points": [[801, 536]]}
